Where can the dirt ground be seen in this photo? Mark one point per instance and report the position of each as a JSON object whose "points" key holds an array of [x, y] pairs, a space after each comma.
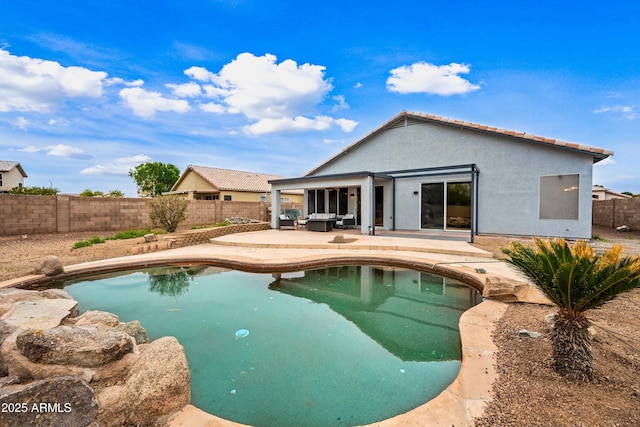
{"points": [[527, 393]]}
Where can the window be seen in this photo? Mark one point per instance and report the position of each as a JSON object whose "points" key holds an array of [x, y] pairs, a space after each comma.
{"points": [[227, 198], [0, 180], [559, 196]]}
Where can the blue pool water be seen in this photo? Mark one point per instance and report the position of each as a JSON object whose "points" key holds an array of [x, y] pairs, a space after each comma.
{"points": [[339, 346]]}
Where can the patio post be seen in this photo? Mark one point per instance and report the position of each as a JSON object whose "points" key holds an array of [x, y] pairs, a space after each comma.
{"points": [[276, 206]]}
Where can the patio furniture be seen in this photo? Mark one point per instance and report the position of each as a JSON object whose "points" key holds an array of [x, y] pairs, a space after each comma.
{"points": [[347, 221], [303, 222], [285, 221], [321, 222]]}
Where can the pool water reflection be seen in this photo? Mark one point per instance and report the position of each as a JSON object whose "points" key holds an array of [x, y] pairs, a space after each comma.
{"points": [[336, 346]]}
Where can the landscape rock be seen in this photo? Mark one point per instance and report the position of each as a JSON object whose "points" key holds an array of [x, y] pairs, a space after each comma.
{"points": [[40, 314], [150, 238], [50, 266], [157, 386], [62, 401], [74, 345], [135, 329], [96, 317], [623, 228], [527, 333], [505, 290]]}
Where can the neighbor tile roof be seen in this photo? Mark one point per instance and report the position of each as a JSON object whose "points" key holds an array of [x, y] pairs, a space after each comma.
{"points": [[8, 165], [413, 117], [227, 179]]}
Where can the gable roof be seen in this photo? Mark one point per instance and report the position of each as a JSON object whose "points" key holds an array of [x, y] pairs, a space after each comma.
{"points": [[409, 118], [8, 165], [231, 180]]}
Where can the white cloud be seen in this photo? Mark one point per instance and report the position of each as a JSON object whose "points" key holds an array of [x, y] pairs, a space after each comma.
{"points": [[606, 162], [200, 73], [626, 111], [276, 96], [186, 90], [31, 84], [423, 77], [146, 104], [341, 104], [298, 124], [118, 81], [21, 123], [30, 149], [62, 150], [260, 88], [212, 107], [120, 166]]}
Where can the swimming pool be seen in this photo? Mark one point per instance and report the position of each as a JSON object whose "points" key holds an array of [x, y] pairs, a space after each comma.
{"points": [[337, 346]]}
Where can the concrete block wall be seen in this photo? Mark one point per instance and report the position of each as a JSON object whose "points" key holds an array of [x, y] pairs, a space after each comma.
{"points": [[617, 212], [27, 215], [196, 237], [63, 214]]}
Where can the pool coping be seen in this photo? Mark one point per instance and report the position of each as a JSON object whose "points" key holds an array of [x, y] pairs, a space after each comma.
{"points": [[461, 402]]}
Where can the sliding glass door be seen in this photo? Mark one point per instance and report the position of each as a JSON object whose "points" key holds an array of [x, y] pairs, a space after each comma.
{"points": [[432, 207], [446, 205]]}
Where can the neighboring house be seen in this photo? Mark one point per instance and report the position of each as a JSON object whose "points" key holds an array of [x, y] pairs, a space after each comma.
{"points": [[206, 183], [422, 172], [601, 193], [11, 175]]}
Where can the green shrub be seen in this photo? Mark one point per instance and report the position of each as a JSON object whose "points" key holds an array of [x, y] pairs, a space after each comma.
{"points": [[167, 212], [132, 234]]}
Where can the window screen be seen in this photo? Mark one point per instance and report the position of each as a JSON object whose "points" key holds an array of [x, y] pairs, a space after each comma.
{"points": [[559, 196]]}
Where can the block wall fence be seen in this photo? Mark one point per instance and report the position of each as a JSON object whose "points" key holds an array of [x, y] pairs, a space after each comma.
{"points": [[63, 214], [616, 212]]}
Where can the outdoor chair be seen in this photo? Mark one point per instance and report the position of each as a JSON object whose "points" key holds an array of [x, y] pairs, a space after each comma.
{"points": [[285, 221], [347, 221]]}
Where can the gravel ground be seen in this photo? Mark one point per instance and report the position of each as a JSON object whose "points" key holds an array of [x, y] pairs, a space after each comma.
{"points": [[527, 393]]}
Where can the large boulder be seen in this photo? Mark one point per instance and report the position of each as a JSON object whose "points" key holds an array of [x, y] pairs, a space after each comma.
{"points": [[50, 266], [506, 290], [63, 401], [97, 318], [74, 345], [157, 386], [135, 329], [40, 313]]}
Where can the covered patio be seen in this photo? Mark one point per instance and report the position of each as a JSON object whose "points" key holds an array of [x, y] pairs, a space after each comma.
{"points": [[423, 199]]}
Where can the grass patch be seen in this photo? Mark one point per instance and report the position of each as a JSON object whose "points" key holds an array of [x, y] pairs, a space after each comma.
{"points": [[85, 243], [122, 235], [132, 234], [600, 238]]}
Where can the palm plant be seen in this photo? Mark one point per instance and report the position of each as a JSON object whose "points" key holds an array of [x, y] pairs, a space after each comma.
{"points": [[576, 279]]}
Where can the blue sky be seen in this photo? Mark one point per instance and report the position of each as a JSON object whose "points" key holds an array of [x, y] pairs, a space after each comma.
{"points": [[88, 90]]}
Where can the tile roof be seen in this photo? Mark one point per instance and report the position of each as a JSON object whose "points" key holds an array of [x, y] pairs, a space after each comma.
{"points": [[522, 135], [227, 179], [8, 165], [413, 117]]}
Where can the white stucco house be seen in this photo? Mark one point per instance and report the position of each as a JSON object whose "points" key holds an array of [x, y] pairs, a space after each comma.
{"points": [[11, 175], [421, 172]]}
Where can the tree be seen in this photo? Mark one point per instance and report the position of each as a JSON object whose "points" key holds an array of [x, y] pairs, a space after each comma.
{"points": [[89, 193], [167, 212], [35, 191], [115, 194], [629, 193], [576, 280], [154, 178]]}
